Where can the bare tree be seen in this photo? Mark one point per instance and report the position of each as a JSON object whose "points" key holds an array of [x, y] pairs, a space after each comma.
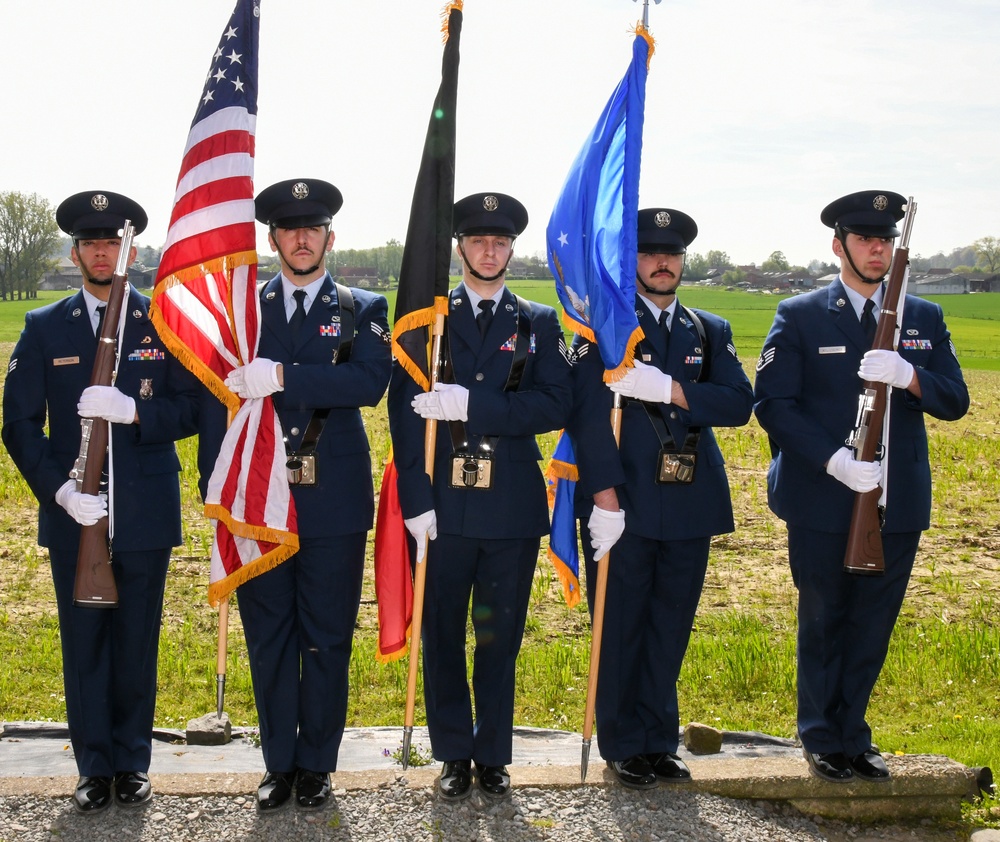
{"points": [[28, 237]]}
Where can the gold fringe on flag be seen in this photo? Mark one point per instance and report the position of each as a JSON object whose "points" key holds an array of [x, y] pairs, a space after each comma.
{"points": [[455, 6], [414, 321], [224, 266], [286, 545]]}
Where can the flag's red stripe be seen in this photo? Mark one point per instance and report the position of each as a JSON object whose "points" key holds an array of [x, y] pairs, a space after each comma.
{"points": [[226, 189], [210, 245], [229, 142]]}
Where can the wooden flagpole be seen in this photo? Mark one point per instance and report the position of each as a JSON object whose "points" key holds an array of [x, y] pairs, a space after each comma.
{"points": [[420, 576], [597, 624]]}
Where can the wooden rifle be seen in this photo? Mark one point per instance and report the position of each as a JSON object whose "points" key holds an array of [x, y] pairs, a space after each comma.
{"points": [[864, 540], [95, 580]]}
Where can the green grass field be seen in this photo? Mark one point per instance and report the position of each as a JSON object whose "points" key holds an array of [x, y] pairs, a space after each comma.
{"points": [[939, 692], [974, 320]]}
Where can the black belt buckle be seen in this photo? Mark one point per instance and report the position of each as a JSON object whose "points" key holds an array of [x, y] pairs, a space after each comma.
{"points": [[468, 471], [676, 467], [301, 468]]}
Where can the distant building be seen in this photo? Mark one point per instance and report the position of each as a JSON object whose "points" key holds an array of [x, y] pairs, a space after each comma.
{"points": [[64, 276], [780, 281], [67, 276], [362, 277], [932, 282]]}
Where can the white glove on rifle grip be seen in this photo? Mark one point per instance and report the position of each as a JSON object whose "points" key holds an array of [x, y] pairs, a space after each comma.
{"points": [[106, 402], [606, 527], [420, 526], [645, 383], [886, 367], [85, 509], [857, 476]]}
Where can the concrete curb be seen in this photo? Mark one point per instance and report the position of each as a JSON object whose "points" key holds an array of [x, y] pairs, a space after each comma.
{"points": [[749, 767]]}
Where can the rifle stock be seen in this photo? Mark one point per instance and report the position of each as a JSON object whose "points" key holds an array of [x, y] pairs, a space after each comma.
{"points": [[95, 581], [864, 540]]}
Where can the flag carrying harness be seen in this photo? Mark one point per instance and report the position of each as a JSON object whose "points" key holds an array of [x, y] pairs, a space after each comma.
{"points": [[301, 463], [673, 464], [473, 467]]}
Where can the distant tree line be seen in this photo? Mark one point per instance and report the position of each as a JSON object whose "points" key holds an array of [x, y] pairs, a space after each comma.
{"points": [[30, 245]]}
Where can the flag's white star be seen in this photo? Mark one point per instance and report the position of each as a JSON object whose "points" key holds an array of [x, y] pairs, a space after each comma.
{"points": [[238, 84], [220, 75], [234, 57], [230, 33], [218, 54], [207, 98], [563, 238]]}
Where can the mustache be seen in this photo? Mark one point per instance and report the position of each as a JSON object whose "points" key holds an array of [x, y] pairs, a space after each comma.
{"points": [[666, 272]]}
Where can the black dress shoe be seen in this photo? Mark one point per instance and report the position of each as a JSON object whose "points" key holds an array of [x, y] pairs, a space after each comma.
{"points": [[455, 782], [274, 790], [93, 794], [635, 772], [132, 788], [312, 789], [870, 766], [831, 766], [669, 767], [493, 780]]}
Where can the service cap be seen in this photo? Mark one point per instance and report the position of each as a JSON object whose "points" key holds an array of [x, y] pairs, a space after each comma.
{"points": [[298, 203], [870, 213], [99, 215], [489, 213], [665, 231]]}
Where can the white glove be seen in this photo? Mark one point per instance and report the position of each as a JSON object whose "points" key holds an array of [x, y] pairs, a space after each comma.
{"points": [[418, 527], [106, 402], [645, 383], [256, 379], [448, 402], [857, 476], [606, 527], [85, 509], [886, 367]]}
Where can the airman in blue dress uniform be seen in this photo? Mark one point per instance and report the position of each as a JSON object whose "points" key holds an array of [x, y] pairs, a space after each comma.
{"points": [[299, 617], [109, 655], [809, 377], [486, 532], [657, 526]]}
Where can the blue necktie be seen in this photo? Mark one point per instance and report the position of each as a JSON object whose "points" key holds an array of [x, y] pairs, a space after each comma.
{"points": [[299, 316], [485, 316], [868, 321]]}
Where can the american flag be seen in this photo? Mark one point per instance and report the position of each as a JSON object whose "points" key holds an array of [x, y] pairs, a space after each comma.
{"points": [[205, 307]]}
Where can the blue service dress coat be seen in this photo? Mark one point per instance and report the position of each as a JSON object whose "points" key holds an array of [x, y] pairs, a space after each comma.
{"points": [[299, 617], [806, 395], [657, 569], [488, 539], [109, 656]]}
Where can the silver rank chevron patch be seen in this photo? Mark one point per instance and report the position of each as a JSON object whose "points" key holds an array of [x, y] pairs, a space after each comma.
{"points": [[732, 349], [382, 333], [13, 364], [766, 358], [565, 350]]}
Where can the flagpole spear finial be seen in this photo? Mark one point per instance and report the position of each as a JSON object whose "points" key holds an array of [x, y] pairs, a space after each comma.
{"points": [[645, 11]]}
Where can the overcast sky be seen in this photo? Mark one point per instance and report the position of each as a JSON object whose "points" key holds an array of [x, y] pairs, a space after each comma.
{"points": [[757, 113]]}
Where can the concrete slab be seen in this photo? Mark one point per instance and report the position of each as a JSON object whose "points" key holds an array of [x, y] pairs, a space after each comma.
{"points": [[36, 758]]}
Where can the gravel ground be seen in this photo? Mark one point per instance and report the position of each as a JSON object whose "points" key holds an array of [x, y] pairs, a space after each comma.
{"points": [[394, 812]]}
